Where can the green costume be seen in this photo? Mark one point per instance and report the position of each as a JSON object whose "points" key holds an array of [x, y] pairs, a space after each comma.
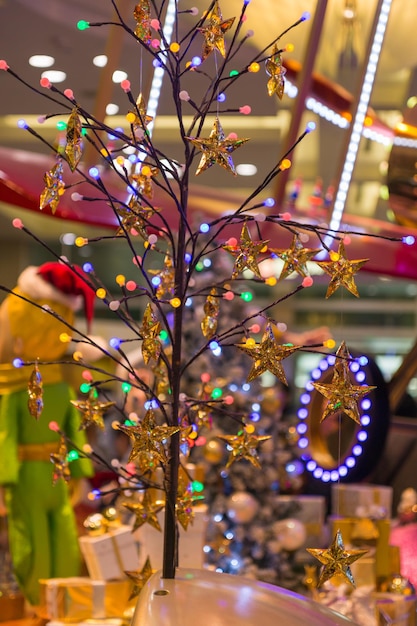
{"points": [[42, 529]]}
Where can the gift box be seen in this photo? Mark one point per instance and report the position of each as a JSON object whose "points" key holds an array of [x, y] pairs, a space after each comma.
{"points": [[359, 500], [371, 535], [12, 606], [310, 510], [76, 599], [109, 555], [190, 542]]}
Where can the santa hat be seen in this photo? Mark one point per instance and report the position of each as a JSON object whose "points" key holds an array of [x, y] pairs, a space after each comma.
{"points": [[70, 281]]}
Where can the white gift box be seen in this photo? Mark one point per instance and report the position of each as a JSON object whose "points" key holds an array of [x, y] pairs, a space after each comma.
{"points": [[109, 555], [190, 542], [361, 500]]}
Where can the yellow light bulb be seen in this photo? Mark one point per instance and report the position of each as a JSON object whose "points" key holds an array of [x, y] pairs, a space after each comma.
{"points": [[335, 256], [271, 281], [253, 67], [175, 303], [120, 279], [101, 293], [329, 343], [80, 242], [64, 338], [174, 47], [130, 117], [250, 428], [285, 164], [146, 170], [250, 342]]}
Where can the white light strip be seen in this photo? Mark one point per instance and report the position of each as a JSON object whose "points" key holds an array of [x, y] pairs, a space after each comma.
{"points": [[359, 119]]}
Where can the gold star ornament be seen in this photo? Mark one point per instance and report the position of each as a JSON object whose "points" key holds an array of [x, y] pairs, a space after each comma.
{"points": [[151, 345], [214, 32], [246, 253], [295, 258], [336, 560], [74, 145], [54, 187], [142, 15], [274, 69], [342, 271], [267, 355], [216, 149], [60, 462], [211, 314], [92, 410], [244, 446], [145, 512], [35, 393], [139, 578], [342, 396]]}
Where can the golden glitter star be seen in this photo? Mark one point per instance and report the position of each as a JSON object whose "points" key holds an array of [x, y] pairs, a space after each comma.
{"points": [[139, 578], [214, 32], [151, 345], [143, 180], [74, 145], [342, 271], [35, 393], [54, 187], [246, 253], [142, 15], [145, 512], [342, 395], [267, 355], [60, 461], [211, 314], [166, 286], [92, 410], [184, 506], [336, 560], [244, 446], [274, 69], [295, 258], [148, 441], [216, 149], [134, 218]]}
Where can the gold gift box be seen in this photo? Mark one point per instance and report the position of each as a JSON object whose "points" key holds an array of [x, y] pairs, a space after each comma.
{"points": [[375, 538], [76, 599]]}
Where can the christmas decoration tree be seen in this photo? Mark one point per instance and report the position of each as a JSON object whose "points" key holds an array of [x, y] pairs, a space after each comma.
{"points": [[186, 391]]}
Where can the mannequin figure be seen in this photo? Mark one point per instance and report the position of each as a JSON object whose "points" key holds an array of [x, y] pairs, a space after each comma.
{"points": [[42, 531]]}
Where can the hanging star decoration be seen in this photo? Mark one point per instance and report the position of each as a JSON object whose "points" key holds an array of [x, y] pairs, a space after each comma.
{"points": [[145, 512], [211, 314], [139, 117], [276, 71], [139, 578], [166, 286], [216, 149], [148, 440], [54, 187], [142, 15], [184, 506], [244, 446], [143, 180], [60, 461], [246, 253], [342, 396], [295, 258], [151, 345], [135, 218], [215, 31], [267, 355], [336, 560], [342, 271], [74, 145], [161, 379], [35, 393], [92, 410]]}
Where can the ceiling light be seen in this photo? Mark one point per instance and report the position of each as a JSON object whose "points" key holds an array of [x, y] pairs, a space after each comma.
{"points": [[55, 76], [246, 169], [112, 109], [118, 76], [100, 60], [41, 60]]}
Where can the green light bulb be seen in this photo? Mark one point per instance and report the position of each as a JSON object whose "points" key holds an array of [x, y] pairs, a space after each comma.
{"points": [[85, 388], [216, 393], [126, 387], [72, 456], [247, 296], [83, 25]]}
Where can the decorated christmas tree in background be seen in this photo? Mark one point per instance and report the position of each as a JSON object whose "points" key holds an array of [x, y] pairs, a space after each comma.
{"points": [[212, 351]]}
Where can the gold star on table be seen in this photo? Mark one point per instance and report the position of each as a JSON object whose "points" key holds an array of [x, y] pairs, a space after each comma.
{"points": [[267, 355], [295, 258], [60, 461], [342, 271], [142, 15], [216, 149], [246, 253], [35, 393], [214, 32], [211, 314], [74, 145], [146, 512], [274, 69], [139, 578], [54, 187], [166, 286], [336, 560], [148, 442], [341, 394], [151, 345], [92, 410], [244, 446]]}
